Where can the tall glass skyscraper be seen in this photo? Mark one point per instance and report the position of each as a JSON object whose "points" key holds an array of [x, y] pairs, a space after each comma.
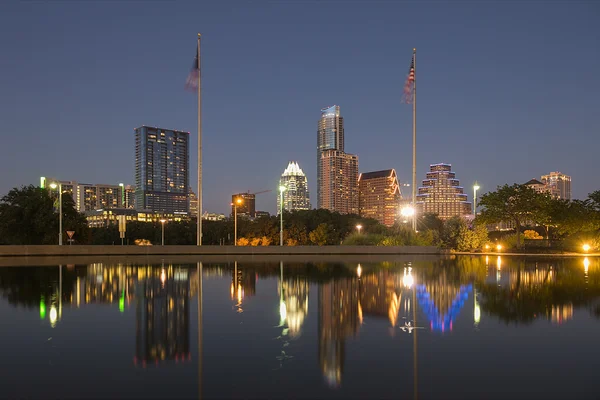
{"points": [[330, 136], [161, 170], [337, 171], [296, 196]]}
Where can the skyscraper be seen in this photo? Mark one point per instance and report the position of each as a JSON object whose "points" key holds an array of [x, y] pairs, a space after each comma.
{"points": [[339, 185], [379, 196], [337, 172], [441, 194], [559, 185], [247, 208], [296, 196], [161, 170]]}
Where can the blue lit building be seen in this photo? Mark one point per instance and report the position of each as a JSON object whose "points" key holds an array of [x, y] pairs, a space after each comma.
{"points": [[161, 170]]}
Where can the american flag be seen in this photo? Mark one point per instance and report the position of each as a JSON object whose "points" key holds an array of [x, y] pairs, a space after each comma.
{"points": [[193, 78], [407, 96]]}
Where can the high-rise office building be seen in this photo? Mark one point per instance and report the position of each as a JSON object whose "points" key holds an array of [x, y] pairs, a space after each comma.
{"points": [[88, 196], [339, 182], [247, 207], [330, 136], [559, 185], [442, 194], [129, 196], [295, 196], [161, 170], [379, 196], [193, 203]]}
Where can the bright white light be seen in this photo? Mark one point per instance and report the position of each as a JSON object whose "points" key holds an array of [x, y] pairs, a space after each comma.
{"points": [[586, 247], [282, 311], [359, 270], [407, 211], [476, 187], [163, 276], [282, 188], [586, 264], [407, 279], [53, 185], [53, 315], [477, 314]]}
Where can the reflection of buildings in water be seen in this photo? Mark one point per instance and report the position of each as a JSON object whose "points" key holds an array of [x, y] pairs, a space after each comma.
{"points": [[295, 299], [162, 317], [441, 301], [338, 319], [560, 314], [378, 295], [531, 277], [243, 283]]}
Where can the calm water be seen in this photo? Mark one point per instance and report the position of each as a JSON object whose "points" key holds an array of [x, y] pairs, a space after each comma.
{"points": [[466, 328]]}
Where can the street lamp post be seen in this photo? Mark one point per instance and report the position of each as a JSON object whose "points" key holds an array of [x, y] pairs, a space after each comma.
{"points": [[54, 186], [475, 189], [359, 227], [235, 204], [162, 221], [281, 190]]}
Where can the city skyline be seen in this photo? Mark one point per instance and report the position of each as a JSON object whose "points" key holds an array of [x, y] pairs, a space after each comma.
{"points": [[469, 108]]}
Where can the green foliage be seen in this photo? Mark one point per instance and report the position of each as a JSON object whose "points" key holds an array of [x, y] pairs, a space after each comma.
{"points": [[512, 241], [27, 216], [471, 239], [362, 239], [319, 235]]}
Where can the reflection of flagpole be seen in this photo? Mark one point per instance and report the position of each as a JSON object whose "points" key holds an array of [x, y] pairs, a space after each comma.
{"points": [[416, 381], [199, 266], [59, 292]]}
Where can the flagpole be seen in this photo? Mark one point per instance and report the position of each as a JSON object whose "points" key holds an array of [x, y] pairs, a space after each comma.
{"points": [[199, 216], [414, 163]]}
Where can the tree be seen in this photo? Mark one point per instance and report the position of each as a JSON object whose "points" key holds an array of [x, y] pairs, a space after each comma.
{"points": [[517, 203], [319, 235], [28, 216]]}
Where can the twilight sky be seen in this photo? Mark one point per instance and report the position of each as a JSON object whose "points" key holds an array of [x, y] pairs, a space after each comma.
{"points": [[506, 91]]}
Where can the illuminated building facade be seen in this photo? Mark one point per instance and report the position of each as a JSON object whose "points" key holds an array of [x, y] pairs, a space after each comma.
{"points": [[247, 208], [330, 136], [538, 186], [89, 196], [442, 194], [104, 217], [295, 196], [193, 203], [161, 170], [129, 196], [379, 196], [559, 185], [339, 182]]}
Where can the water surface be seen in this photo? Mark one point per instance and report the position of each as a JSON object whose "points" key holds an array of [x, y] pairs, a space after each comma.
{"points": [[461, 328]]}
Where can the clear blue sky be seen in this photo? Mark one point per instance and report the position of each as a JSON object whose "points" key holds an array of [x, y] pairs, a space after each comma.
{"points": [[507, 90]]}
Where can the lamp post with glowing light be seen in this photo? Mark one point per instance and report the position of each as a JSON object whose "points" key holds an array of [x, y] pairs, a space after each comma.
{"points": [[235, 204], [586, 247], [358, 227], [58, 185], [281, 190], [475, 189], [407, 212], [162, 221]]}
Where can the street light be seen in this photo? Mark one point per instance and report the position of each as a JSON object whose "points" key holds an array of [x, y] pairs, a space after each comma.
{"points": [[58, 185], [162, 221], [281, 190], [359, 227], [235, 204], [407, 212], [475, 189], [586, 247]]}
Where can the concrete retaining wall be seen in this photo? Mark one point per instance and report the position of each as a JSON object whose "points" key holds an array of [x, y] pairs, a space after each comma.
{"points": [[31, 251]]}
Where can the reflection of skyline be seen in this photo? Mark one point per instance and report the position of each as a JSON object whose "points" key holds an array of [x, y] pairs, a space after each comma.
{"points": [[163, 316], [338, 319]]}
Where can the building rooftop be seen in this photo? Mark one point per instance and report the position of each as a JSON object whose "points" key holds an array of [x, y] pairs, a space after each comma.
{"points": [[534, 182], [376, 174]]}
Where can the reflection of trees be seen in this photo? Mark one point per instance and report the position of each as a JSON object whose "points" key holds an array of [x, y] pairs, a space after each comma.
{"points": [[26, 286], [539, 288]]}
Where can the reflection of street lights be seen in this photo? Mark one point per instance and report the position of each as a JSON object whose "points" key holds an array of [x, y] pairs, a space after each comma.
{"points": [[359, 271], [162, 221], [359, 227], [281, 190], [475, 189], [237, 202], [407, 279], [54, 185]]}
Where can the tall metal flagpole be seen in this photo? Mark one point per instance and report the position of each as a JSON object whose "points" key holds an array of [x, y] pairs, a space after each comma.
{"points": [[199, 216], [414, 165]]}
